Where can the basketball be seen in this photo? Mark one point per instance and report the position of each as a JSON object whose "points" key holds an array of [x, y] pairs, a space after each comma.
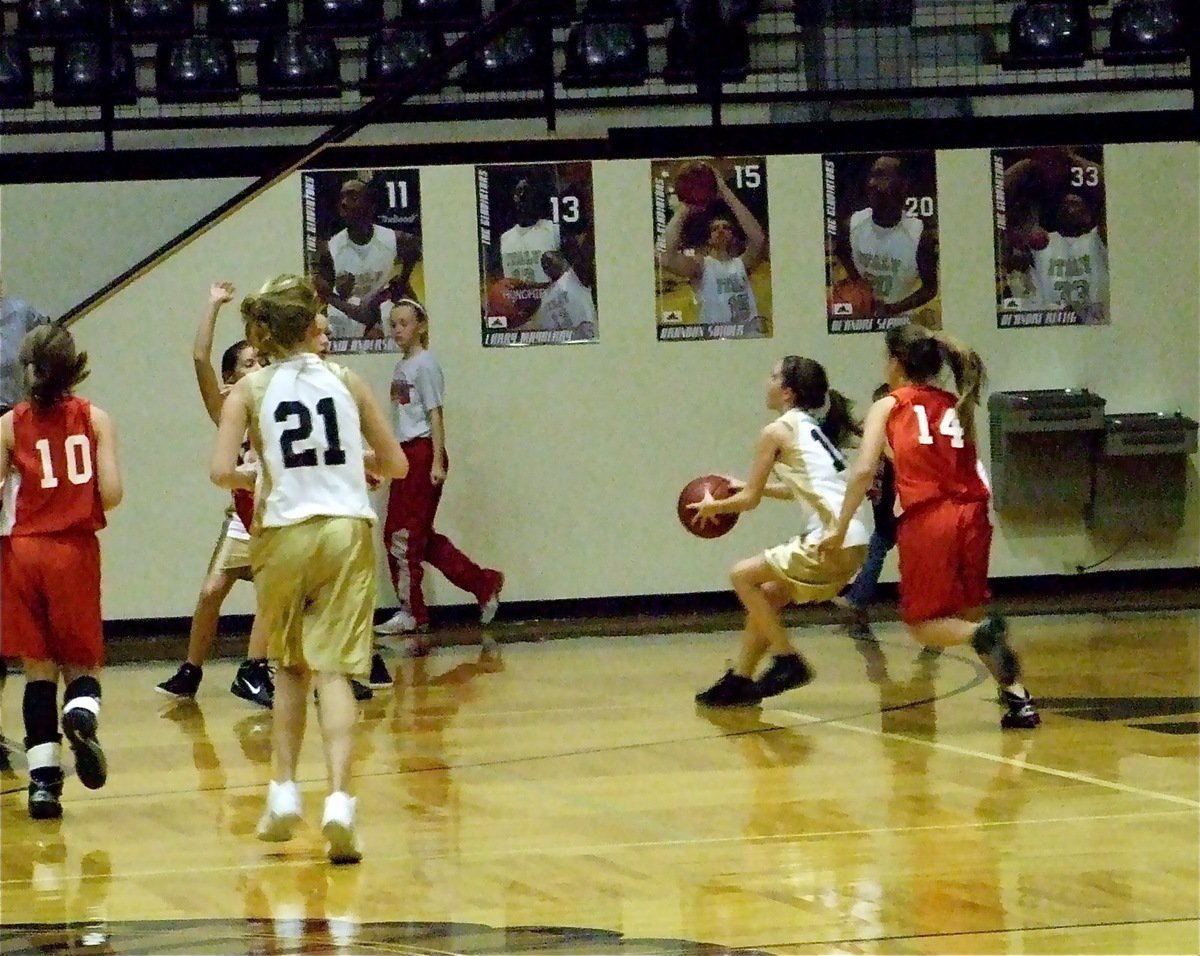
{"points": [[693, 492], [852, 297], [507, 298], [696, 185]]}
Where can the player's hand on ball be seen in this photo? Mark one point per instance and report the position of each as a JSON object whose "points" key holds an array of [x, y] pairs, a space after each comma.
{"points": [[705, 510], [831, 542]]}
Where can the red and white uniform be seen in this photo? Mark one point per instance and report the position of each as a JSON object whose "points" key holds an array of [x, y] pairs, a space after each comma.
{"points": [[944, 535], [49, 555]]}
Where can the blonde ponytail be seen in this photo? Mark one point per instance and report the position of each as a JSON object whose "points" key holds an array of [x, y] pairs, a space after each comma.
{"points": [[970, 378]]}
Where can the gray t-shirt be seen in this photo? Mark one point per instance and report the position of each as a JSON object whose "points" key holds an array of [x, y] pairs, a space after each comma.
{"points": [[417, 389], [17, 317]]}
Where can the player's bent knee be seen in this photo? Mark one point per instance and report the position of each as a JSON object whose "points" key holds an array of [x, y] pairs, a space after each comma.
{"points": [[215, 588]]}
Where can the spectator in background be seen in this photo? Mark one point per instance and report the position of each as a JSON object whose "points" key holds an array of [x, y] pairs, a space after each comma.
{"points": [[17, 317]]}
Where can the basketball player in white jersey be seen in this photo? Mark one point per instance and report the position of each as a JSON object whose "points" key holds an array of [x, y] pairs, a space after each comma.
{"points": [[317, 431], [1071, 271], [523, 244], [363, 266], [896, 254], [802, 448], [567, 303], [720, 277]]}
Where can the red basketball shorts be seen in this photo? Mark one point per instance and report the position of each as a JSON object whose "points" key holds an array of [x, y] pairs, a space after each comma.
{"points": [[50, 598], [944, 549]]}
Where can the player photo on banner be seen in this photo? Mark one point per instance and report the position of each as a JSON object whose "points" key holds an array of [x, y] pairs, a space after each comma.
{"points": [[537, 254], [881, 240], [712, 267], [1051, 236], [362, 246]]}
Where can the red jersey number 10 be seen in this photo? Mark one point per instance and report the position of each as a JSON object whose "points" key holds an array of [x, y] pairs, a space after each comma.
{"points": [[77, 451]]}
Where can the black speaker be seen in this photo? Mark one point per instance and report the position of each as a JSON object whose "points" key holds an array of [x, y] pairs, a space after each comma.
{"points": [[298, 66], [606, 53], [197, 70]]}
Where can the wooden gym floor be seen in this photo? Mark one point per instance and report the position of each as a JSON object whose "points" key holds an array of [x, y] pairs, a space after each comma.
{"points": [[567, 797]]}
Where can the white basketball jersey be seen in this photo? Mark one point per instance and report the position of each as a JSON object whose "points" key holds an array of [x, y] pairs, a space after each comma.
{"points": [[815, 471], [723, 292], [305, 427], [886, 256], [567, 304], [522, 247], [370, 264], [1073, 271]]}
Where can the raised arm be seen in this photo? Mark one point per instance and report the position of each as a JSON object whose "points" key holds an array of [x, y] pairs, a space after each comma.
{"points": [[211, 392], [756, 239], [108, 469], [673, 257]]}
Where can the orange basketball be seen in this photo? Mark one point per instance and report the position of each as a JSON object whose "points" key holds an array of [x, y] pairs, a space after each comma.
{"points": [[851, 297], [517, 301], [693, 492], [696, 185]]}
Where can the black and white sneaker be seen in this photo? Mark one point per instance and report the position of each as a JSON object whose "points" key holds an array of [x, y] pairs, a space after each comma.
{"points": [[45, 794], [786, 672], [990, 642], [184, 683], [253, 682], [732, 690], [1019, 714], [80, 725], [379, 673]]}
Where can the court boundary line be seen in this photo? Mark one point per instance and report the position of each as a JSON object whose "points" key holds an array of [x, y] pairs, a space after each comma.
{"points": [[809, 719]]}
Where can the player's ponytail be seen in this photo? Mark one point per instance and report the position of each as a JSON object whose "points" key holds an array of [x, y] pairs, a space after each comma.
{"points": [[52, 365], [279, 317], [839, 423], [920, 354], [809, 384], [970, 377]]}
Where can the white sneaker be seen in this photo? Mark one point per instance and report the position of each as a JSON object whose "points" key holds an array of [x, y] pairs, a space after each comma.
{"points": [[488, 609], [402, 622], [282, 816], [338, 826]]}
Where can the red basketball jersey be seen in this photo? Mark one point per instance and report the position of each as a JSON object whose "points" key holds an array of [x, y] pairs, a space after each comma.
{"points": [[932, 456], [54, 470], [243, 500]]}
